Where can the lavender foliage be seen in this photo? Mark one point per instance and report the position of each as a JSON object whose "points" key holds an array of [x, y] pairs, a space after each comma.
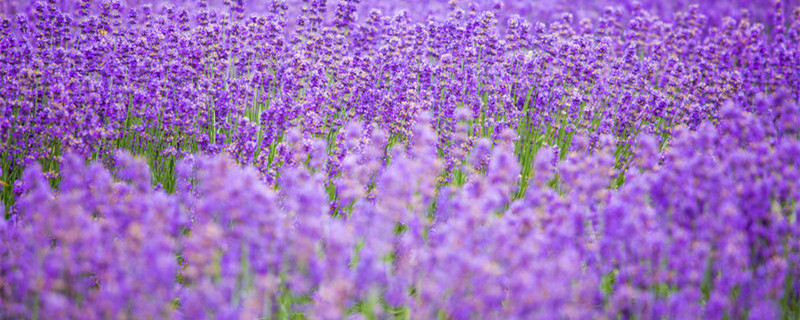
{"points": [[488, 160]]}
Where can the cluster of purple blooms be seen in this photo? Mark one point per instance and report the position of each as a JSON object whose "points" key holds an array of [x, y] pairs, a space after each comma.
{"points": [[483, 160]]}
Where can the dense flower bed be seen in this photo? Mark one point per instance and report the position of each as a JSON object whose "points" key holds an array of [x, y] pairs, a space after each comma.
{"points": [[299, 159]]}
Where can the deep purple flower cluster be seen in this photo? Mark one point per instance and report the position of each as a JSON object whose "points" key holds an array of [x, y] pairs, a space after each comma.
{"points": [[503, 160], [166, 81]]}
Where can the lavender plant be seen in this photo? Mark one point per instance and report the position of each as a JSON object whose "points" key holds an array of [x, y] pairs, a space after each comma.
{"points": [[299, 159]]}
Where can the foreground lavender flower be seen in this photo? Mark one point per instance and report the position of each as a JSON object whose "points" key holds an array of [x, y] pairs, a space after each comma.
{"points": [[280, 159], [711, 231]]}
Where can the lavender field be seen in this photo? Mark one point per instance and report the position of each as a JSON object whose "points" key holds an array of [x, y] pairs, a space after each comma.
{"points": [[346, 159]]}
